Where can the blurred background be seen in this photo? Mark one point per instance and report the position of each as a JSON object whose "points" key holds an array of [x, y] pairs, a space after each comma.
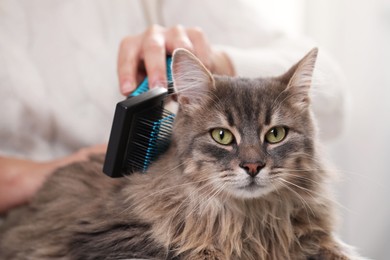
{"points": [[357, 35]]}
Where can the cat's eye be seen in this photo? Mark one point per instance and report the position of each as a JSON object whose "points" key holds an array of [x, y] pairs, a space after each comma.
{"points": [[276, 134], [222, 136]]}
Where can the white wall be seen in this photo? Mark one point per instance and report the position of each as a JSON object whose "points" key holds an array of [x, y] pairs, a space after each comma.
{"points": [[357, 33], [289, 15]]}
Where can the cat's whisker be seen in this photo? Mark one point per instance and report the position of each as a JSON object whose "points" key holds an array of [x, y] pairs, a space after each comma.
{"points": [[210, 187], [343, 174], [305, 179], [151, 195], [194, 207], [163, 174], [308, 170], [276, 189], [296, 193], [365, 179], [216, 193], [297, 186], [206, 194], [175, 168], [320, 195], [305, 204], [179, 208], [174, 187]]}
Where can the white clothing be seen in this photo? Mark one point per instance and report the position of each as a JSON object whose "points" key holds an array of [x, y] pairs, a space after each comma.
{"points": [[58, 81]]}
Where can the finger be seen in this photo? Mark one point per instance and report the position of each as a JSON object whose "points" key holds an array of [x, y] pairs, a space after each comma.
{"points": [[176, 37], [201, 45], [84, 154], [98, 149], [128, 60], [154, 54]]}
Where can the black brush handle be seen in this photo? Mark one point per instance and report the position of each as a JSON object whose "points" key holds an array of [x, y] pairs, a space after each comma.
{"points": [[127, 112]]}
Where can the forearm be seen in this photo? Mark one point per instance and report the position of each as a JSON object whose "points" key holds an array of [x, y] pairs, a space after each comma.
{"points": [[20, 179]]}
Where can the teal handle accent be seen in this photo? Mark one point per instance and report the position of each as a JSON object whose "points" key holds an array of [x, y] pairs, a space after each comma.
{"points": [[144, 86]]}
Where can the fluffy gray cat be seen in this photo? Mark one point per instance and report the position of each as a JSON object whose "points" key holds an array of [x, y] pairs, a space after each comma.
{"points": [[242, 179]]}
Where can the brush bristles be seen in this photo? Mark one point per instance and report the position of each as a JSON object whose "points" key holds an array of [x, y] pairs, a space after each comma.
{"points": [[152, 139]]}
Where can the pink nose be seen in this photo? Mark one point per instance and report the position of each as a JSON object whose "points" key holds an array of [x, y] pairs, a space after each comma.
{"points": [[252, 168]]}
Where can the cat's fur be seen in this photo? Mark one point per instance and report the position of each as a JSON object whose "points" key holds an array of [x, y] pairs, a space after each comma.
{"points": [[196, 201]]}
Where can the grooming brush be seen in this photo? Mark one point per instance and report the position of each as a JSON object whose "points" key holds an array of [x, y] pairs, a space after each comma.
{"points": [[141, 129]]}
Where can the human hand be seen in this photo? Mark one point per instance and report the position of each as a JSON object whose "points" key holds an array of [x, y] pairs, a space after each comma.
{"points": [[20, 179], [145, 54]]}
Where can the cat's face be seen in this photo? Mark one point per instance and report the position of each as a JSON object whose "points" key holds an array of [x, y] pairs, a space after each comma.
{"points": [[243, 137]]}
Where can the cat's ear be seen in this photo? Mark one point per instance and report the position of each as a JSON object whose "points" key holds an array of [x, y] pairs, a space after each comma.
{"points": [[191, 80], [299, 78]]}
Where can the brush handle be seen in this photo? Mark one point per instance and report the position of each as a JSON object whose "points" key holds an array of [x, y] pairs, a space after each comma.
{"points": [[144, 86]]}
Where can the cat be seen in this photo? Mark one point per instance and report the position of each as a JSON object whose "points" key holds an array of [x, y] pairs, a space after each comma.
{"points": [[242, 179]]}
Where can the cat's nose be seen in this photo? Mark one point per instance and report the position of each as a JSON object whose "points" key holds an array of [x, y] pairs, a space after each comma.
{"points": [[252, 168]]}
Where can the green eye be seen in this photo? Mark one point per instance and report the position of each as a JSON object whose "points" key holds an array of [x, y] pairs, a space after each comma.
{"points": [[276, 135], [222, 136]]}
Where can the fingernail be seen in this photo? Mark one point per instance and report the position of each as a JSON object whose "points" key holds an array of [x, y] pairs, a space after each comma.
{"points": [[156, 83], [127, 87]]}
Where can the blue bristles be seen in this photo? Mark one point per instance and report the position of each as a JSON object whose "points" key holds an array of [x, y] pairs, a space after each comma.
{"points": [[158, 139], [142, 88], [152, 131]]}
